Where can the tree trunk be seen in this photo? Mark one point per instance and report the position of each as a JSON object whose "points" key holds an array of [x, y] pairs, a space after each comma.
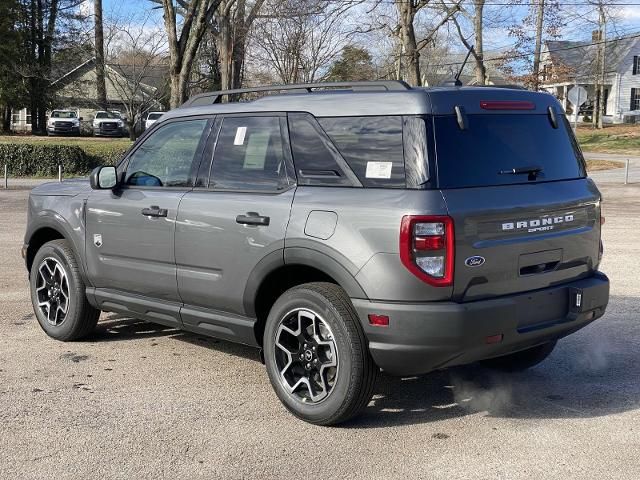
{"points": [[101, 87], [481, 71], [224, 46], [538, 46], [409, 44], [5, 126]]}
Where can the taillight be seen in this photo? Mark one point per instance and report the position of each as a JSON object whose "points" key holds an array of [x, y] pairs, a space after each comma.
{"points": [[427, 248]]}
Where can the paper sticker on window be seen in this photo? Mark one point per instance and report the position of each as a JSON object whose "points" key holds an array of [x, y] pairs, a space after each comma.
{"points": [[256, 153], [240, 133], [379, 169]]}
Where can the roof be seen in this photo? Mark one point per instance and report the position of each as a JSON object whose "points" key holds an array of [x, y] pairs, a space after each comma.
{"points": [[581, 57], [409, 101]]}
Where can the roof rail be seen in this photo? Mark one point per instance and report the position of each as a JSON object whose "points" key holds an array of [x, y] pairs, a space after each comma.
{"points": [[210, 98]]}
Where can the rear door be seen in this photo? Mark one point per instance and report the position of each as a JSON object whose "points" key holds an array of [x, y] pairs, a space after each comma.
{"points": [[525, 215], [233, 221]]}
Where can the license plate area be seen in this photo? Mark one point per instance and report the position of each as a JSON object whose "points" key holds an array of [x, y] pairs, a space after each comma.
{"points": [[543, 308]]}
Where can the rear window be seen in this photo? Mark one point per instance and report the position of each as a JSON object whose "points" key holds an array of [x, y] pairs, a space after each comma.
{"points": [[154, 116], [501, 142], [372, 146]]}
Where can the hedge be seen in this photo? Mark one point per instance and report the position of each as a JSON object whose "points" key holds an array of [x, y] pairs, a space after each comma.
{"points": [[42, 159]]}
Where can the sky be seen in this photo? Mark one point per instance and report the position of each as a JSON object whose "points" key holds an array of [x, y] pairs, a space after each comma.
{"points": [[580, 17]]}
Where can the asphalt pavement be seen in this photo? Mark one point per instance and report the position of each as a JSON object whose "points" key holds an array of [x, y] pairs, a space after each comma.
{"points": [[144, 401]]}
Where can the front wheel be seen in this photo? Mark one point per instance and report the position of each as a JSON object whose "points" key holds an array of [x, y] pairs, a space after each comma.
{"points": [[316, 354], [519, 361], [58, 293]]}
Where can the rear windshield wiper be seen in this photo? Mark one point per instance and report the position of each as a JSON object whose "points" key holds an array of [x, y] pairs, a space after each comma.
{"points": [[532, 171]]}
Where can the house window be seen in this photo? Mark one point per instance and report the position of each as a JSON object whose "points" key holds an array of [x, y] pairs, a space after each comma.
{"points": [[635, 99], [636, 64], [28, 122], [15, 117]]}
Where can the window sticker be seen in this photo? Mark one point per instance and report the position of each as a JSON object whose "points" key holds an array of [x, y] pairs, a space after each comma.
{"points": [[256, 152], [379, 169], [240, 133]]}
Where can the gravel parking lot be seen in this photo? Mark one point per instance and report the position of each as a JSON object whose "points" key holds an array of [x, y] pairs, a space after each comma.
{"points": [[144, 401]]}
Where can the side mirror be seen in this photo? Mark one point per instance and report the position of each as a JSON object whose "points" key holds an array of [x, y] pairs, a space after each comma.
{"points": [[104, 178]]}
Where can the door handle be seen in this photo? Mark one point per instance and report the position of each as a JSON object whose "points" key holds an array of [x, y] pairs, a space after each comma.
{"points": [[154, 211], [252, 218]]}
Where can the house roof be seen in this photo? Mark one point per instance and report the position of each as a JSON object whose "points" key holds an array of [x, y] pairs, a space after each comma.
{"points": [[581, 57]]}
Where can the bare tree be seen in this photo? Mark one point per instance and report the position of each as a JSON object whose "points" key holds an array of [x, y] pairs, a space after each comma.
{"points": [[475, 15], [301, 46], [405, 30], [230, 27], [194, 16], [136, 70]]}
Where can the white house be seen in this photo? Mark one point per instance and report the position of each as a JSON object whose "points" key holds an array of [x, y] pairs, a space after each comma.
{"points": [[566, 64]]}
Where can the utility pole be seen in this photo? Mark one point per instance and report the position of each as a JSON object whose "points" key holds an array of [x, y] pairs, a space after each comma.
{"points": [[602, 64], [101, 87], [538, 47]]}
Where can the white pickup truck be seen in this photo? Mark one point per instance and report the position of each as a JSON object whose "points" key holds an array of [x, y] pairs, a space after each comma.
{"points": [[109, 124], [63, 122]]}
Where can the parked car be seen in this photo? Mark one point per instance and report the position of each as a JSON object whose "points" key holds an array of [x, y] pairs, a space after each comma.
{"points": [[63, 122], [152, 118], [109, 124], [370, 226]]}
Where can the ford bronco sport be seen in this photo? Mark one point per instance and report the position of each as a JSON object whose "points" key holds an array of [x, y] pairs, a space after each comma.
{"points": [[340, 228]]}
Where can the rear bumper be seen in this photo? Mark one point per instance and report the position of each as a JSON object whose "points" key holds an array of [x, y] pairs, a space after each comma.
{"points": [[427, 336]]}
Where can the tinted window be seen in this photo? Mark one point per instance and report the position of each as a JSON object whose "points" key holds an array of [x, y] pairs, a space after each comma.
{"points": [[316, 158], [496, 143], [154, 116], [166, 157], [249, 155], [372, 146]]}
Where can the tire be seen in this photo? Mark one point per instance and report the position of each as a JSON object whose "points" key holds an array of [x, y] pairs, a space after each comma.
{"points": [[520, 361], [74, 317], [341, 359]]}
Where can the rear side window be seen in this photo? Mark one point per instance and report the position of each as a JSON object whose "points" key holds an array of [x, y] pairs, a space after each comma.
{"points": [[494, 144], [249, 155], [316, 158], [372, 146]]}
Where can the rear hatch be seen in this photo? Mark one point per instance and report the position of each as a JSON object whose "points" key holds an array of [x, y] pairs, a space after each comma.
{"points": [[525, 215]]}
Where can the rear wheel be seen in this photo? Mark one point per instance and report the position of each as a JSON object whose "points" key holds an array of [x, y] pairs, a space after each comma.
{"points": [[519, 361], [58, 293], [317, 356]]}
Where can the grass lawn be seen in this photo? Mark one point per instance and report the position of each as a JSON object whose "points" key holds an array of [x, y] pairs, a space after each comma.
{"points": [[622, 139], [595, 165]]}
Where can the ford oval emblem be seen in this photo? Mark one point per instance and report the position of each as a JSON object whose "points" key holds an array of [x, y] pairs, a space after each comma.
{"points": [[474, 261]]}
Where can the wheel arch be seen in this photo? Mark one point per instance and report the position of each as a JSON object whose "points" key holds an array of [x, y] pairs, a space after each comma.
{"points": [[46, 230], [287, 268]]}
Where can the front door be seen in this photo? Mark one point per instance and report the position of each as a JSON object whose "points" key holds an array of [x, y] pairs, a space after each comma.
{"points": [[130, 231], [235, 221]]}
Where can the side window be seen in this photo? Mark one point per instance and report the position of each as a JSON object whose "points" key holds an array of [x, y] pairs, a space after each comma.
{"points": [[372, 146], [249, 155], [316, 158], [165, 159]]}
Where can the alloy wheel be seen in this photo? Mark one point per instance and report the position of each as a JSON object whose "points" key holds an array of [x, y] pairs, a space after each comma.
{"points": [[52, 291], [306, 356]]}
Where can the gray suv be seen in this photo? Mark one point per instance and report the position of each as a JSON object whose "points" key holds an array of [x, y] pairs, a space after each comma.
{"points": [[339, 228]]}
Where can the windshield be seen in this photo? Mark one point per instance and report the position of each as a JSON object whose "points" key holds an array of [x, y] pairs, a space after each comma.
{"points": [[108, 115], [57, 114], [154, 116], [492, 146]]}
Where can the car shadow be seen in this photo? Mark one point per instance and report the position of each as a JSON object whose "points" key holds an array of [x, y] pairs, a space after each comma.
{"points": [[117, 327], [592, 373]]}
